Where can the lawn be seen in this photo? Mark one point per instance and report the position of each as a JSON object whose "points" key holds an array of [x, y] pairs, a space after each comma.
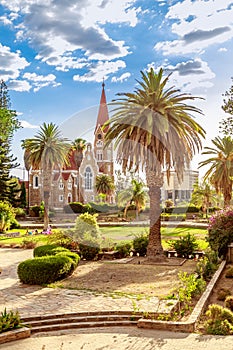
{"points": [[117, 234]]}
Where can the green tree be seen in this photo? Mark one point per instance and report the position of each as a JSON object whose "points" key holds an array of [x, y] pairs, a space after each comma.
{"points": [[9, 124], [220, 165], [154, 128], [48, 149], [7, 216], [203, 195], [135, 194], [104, 184], [23, 195]]}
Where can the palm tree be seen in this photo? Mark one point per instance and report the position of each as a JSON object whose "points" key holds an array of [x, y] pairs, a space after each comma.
{"points": [[203, 195], [48, 149], [135, 194], [154, 128], [104, 184], [78, 146], [221, 166]]}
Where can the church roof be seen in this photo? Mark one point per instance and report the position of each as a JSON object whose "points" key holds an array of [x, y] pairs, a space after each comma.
{"points": [[103, 111]]}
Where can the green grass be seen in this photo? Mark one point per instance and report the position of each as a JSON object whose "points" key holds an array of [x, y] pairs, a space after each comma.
{"points": [[121, 233]]}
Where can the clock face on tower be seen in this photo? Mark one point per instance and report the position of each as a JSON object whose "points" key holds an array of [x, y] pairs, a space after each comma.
{"points": [[99, 136]]}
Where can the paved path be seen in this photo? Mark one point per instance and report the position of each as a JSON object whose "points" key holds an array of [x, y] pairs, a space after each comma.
{"points": [[32, 300]]}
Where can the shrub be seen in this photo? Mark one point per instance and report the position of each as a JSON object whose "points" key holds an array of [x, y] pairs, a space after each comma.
{"points": [[63, 239], [20, 212], [48, 249], [229, 302], [223, 293], [73, 256], [7, 216], [88, 252], [44, 270], [220, 231], [124, 249], [9, 320], [140, 243], [220, 320], [207, 265], [184, 246], [28, 243], [86, 224], [35, 210], [229, 272]]}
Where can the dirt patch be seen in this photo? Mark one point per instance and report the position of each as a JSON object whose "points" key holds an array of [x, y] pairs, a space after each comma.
{"points": [[131, 278]]}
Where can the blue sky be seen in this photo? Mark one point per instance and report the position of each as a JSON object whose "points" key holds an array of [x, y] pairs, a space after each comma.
{"points": [[55, 53]]}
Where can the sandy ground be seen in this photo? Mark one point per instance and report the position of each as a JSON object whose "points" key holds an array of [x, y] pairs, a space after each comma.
{"points": [[121, 339]]}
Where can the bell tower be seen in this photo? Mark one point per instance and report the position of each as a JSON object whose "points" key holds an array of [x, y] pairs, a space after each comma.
{"points": [[104, 156]]}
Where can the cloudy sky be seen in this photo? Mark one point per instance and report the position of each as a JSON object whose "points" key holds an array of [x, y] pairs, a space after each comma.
{"points": [[54, 55]]}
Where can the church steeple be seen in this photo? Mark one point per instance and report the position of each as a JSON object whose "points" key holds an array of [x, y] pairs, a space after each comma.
{"points": [[103, 111]]}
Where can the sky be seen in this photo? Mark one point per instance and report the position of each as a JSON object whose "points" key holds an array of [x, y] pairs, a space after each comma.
{"points": [[54, 55]]}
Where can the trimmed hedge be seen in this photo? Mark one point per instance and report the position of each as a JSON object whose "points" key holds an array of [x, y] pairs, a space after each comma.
{"points": [[48, 249], [44, 270], [74, 256]]}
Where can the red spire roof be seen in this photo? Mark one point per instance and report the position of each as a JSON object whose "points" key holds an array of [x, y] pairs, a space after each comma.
{"points": [[103, 111]]}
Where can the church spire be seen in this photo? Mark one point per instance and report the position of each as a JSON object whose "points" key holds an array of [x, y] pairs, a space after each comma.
{"points": [[103, 111]]}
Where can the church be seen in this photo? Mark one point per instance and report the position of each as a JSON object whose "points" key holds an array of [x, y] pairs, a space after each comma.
{"points": [[76, 182]]}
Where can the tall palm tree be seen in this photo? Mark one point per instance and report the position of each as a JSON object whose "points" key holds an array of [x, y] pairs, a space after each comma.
{"points": [[104, 184], [203, 195], [48, 149], [220, 172], [153, 127]]}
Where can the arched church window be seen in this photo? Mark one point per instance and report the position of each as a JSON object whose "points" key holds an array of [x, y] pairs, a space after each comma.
{"points": [[88, 178], [99, 155], [35, 181]]}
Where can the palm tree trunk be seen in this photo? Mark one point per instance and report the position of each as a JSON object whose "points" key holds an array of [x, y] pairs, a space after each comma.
{"points": [[154, 249], [227, 196], [47, 177]]}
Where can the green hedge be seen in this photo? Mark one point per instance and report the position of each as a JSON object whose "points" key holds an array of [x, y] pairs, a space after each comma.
{"points": [[181, 210], [48, 249], [79, 208], [44, 270]]}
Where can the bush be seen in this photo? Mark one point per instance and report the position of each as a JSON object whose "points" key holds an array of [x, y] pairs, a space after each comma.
{"points": [[35, 210], [79, 208], [103, 207], [220, 320], [207, 265], [73, 256], [223, 293], [140, 243], [45, 269], [63, 239], [9, 320], [48, 249], [229, 272], [28, 243], [229, 302], [20, 212], [7, 216], [184, 246], [86, 224], [124, 249], [220, 231], [88, 252]]}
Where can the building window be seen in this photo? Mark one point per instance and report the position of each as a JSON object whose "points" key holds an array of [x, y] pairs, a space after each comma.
{"points": [[61, 186], [99, 143], [35, 181], [88, 178], [69, 198], [99, 155], [69, 186], [61, 198]]}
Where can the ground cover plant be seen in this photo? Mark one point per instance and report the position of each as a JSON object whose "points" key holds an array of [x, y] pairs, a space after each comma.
{"points": [[9, 320]]}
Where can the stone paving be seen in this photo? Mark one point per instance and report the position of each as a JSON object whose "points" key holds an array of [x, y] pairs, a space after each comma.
{"points": [[36, 300]]}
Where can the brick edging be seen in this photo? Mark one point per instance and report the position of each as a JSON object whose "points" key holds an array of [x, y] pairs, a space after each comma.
{"points": [[189, 325], [15, 334]]}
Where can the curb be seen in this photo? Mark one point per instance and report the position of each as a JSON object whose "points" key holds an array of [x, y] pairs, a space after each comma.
{"points": [[15, 334]]}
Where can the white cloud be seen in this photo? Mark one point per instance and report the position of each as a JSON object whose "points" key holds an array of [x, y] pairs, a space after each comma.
{"points": [[11, 63], [122, 78], [27, 125], [19, 85], [56, 28], [197, 25], [40, 81], [100, 70], [222, 49]]}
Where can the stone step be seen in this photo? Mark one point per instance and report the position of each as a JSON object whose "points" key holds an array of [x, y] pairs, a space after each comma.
{"points": [[64, 326], [80, 319]]}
